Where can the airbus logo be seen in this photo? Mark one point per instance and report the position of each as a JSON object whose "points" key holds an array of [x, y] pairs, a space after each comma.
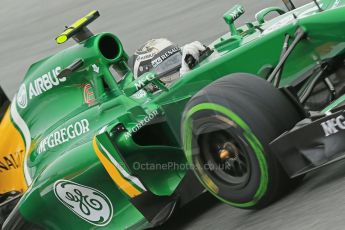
{"points": [[333, 125], [38, 86], [22, 97]]}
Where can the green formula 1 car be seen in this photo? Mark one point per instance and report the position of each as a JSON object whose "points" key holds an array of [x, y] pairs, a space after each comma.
{"points": [[85, 144]]}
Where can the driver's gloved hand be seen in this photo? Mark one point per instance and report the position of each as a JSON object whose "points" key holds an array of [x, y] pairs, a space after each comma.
{"points": [[190, 56]]}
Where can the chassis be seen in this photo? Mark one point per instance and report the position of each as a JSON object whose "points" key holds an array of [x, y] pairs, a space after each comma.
{"points": [[84, 144]]}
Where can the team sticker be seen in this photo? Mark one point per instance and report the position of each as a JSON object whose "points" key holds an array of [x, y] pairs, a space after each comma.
{"points": [[88, 203], [64, 134], [40, 85], [89, 95]]}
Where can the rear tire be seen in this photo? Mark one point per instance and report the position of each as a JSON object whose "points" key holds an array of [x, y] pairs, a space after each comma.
{"points": [[226, 130]]}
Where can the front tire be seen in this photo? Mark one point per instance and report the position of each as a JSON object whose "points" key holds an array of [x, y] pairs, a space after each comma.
{"points": [[226, 130]]}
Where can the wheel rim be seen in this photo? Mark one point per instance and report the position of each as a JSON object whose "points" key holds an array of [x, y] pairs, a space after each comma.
{"points": [[209, 117], [226, 157]]}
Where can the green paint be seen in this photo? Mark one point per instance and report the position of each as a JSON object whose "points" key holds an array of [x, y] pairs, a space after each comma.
{"points": [[334, 104], [53, 105]]}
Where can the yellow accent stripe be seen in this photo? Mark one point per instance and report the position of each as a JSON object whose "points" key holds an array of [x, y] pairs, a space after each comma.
{"points": [[12, 150], [114, 173]]}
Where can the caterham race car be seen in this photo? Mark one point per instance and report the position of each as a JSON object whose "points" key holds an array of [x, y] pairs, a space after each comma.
{"points": [[84, 144]]}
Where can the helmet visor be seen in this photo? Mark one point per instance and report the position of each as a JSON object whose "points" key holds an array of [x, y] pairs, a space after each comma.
{"points": [[170, 65]]}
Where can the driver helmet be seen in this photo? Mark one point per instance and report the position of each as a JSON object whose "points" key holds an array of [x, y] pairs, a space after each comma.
{"points": [[160, 56]]}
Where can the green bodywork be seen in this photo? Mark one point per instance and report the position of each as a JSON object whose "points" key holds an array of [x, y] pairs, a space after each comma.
{"points": [[114, 100]]}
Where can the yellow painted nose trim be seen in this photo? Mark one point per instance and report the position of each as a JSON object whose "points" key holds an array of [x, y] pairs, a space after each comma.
{"points": [[12, 150]]}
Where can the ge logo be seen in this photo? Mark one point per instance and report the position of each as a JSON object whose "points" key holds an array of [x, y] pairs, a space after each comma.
{"points": [[88, 203], [22, 97]]}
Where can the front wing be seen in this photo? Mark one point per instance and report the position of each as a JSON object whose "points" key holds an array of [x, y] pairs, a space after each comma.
{"points": [[313, 143]]}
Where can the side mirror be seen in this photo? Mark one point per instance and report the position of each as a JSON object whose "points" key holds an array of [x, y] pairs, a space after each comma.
{"points": [[231, 16], [260, 16]]}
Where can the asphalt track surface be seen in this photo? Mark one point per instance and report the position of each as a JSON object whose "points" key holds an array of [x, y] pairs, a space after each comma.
{"points": [[27, 32]]}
